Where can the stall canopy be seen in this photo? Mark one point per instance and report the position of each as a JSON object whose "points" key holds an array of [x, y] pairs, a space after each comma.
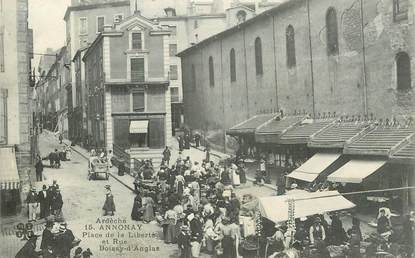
{"points": [[249, 126], [313, 167], [355, 171], [271, 131], [9, 176], [139, 126], [275, 208]]}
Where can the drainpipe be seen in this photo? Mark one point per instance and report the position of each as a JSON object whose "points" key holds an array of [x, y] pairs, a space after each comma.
{"points": [[223, 95], [363, 60], [275, 62], [311, 57]]}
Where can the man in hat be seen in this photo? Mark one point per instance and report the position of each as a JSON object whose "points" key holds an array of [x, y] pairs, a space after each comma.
{"points": [[109, 205], [183, 241], [64, 241], [166, 155], [29, 249], [196, 230], [56, 202], [317, 232], [44, 200], [31, 201], [48, 238]]}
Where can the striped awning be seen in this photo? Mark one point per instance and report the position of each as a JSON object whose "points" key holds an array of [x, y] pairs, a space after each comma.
{"points": [[9, 176]]}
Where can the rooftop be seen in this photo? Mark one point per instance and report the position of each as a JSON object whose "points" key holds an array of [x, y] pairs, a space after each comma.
{"points": [[379, 141], [273, 129], [249, 126], [301, 133]]}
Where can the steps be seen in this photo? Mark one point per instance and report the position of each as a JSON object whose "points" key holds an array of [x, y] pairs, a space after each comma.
{"points": [[145, 153]]}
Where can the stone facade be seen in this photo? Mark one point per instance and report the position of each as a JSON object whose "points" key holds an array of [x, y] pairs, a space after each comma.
{"points": [[359, 79]]}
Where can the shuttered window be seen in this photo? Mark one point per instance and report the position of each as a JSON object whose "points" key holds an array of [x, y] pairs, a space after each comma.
{"points": [[173, 72], [136, 40], [138, 101], [3, 116], [403, 71], [137, 70], [232, 63], [100, 23], [332, 32], [290, 46], [258, 56], [2, 49]]}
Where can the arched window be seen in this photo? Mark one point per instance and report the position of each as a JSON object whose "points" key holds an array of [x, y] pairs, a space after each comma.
{"points": [[241, 16], [403, 71], [258, 56], [290, 45], [211, 72], [232, 65], [332, 33]]}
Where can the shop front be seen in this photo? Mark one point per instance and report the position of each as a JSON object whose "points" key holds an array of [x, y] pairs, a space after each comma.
{"points": [[9, 182]]}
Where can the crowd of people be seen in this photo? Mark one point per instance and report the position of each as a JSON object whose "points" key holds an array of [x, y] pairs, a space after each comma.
{"points": [[194, 203], [48, 201]]}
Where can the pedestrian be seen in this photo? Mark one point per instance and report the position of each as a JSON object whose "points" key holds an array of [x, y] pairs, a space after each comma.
{"points": [[338, 235], [64, 241], [207, 150], [183, 241], [148, 204], [39, 168], [180, 140], [109, 158], [166, 156], [196, 232], [60, 138], [383, 224], [263, 170], [31, 201], [197, 140], [171, 220], [29, 249], [317, 232], [44, 201], [235, 175], [48, 239], [242, 172], [56, 159], [137, 212], [109, 205], [56, 204], [187, 141]]}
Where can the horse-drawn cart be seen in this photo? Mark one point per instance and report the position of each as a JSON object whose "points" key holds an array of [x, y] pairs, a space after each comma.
{"points": [[97, 168]]}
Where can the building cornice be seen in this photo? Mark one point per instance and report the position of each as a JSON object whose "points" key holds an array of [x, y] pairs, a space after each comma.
{"points": [[94, 6]]}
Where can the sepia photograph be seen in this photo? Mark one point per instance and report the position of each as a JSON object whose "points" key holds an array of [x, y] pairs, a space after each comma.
{"points": [[207, 128]]}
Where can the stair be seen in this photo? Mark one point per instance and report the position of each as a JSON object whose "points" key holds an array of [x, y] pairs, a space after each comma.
{"points": [[145, 153]]}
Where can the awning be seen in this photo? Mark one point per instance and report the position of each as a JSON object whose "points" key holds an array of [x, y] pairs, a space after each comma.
{"points": [[355, 171], [9, 176], [275, 208], [310, 170], [140, 126], [249, 126]]}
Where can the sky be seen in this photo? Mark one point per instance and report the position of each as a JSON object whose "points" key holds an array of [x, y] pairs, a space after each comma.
{"points": [[46, 20]]}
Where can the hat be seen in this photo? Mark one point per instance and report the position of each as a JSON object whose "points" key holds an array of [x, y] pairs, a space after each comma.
{"points": [[33, 189], [62, 228], [303, 218], [294, 185], [317, 220], [108, 187]]}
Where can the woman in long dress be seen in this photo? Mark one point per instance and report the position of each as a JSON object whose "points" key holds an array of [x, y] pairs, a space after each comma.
{"points": [[149, 210], [235, 175], [171, 219], [109, 204], [137, 212]]}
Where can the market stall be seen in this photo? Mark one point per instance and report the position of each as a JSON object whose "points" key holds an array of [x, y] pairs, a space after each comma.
{"points": [[275, 208]]}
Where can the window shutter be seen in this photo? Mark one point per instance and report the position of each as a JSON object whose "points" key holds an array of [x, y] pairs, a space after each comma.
{"points": [[138, 101], [137, 70], [136, 40]]}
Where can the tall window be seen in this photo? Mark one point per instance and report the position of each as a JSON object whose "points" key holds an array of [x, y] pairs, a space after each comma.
{"points": [[83, 25], [258, 56], [193, 71], [137, 70], [290, 46], [100, 23], [211, 72], [3, 116], [400, 10], [2, 60], [403, 71], [173, 49], [173, 72], [138, 101], [136, 40], [332, 33], [232, 65]]}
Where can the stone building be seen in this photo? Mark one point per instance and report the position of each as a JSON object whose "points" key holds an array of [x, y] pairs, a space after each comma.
{"points": [[348, 57], [127, 83], [16, 121]]}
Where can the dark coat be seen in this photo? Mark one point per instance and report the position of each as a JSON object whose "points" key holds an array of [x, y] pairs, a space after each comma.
{"points": [[47, 239], [64, 243], [39, 166], [109, 204], [196, 229], [56, 202], [137, 212], [183, 241], [44, 200], [28, 250]]}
